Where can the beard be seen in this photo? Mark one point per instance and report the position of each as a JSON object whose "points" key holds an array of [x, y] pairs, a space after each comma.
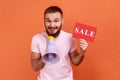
{"points": [[54, 34]]}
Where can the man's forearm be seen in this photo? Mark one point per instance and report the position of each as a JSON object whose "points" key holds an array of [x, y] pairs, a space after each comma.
{"points": [[37, 64], [79, 58]]}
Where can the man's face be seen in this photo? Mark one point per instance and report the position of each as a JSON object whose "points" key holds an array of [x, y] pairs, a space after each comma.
{"points": [[53, 23]]}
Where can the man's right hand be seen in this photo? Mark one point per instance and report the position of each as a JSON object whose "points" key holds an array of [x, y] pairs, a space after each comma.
{"points": [[36, 61]]}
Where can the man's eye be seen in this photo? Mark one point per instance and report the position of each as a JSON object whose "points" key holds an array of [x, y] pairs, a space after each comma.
{"points": [[56, 20], [48, 21]]}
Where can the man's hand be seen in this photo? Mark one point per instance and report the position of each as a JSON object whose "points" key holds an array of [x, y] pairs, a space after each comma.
{"points": [[83, 44], [76, 57], [36, 61]]}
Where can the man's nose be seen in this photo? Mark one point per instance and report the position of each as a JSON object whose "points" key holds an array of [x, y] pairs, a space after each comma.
{"points": [[52, 24]]}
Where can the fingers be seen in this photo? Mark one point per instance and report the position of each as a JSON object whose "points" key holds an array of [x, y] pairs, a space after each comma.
{"points": [[83, 44]]}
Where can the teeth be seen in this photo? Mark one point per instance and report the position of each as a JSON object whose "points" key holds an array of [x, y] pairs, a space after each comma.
{"points": [[52, 27]]}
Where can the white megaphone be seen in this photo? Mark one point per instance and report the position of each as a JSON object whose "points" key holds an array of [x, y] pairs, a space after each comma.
{"points": [[50, 57]]}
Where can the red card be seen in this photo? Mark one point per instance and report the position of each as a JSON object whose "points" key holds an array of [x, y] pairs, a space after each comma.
{"points": [[84, 32]]}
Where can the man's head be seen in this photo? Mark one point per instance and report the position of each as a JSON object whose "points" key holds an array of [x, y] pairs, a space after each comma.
{"points": [[53, 20]]}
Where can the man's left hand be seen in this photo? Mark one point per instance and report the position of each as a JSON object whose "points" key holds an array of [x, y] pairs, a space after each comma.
{"points": [[83, 44]]}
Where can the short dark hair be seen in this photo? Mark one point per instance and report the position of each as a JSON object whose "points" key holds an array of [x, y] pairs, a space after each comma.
{"points": [[53, 9]]}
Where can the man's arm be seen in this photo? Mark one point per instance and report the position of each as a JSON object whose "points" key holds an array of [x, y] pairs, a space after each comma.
{"points": [[76, 57], [36, 61]]}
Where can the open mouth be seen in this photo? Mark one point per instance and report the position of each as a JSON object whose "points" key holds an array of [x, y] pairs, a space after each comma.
{"points": [[52, 28]]}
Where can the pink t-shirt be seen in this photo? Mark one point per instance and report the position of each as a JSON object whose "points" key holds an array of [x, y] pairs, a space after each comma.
{"points": [[64, 44]]}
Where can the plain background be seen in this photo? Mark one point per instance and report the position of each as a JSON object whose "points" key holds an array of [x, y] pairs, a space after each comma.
{"points": [[21, 19]]}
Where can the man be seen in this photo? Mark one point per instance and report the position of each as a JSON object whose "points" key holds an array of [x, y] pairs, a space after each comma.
{"points": [[64, 44]]}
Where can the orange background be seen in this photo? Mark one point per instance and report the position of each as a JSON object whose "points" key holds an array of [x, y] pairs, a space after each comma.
{"points": [[21, 19]]}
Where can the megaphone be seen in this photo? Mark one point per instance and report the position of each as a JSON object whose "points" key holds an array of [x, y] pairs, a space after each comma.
{"points": [[50, 57]]}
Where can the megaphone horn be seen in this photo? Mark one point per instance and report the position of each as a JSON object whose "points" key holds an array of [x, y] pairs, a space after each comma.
{"points": [[50, 57]]}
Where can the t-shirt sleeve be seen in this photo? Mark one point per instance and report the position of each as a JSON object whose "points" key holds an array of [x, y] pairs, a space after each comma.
{"points": [[34, 45], [73, 45]]}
